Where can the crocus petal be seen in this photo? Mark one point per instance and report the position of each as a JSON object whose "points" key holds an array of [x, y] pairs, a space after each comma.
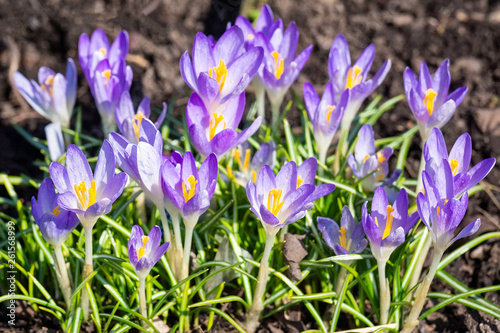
{"points": [[468, 230]]}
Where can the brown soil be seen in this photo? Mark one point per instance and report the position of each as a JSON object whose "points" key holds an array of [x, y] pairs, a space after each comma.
{"points": [[44, 33]]}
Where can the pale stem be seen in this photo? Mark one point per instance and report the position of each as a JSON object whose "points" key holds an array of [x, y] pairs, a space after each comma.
{"points": [[322, 151], [253, 313], [187, 250], [177, 231], [275, 107], [340, 280], [327, 316], [142, 300], [164, 223], [260, 96], [421, 293], [62, 275], [420, 262], [385, 293], [88, 268], [108, 126]]}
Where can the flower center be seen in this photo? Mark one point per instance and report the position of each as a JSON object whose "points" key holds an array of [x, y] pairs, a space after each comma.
{"points": [[246, 162], [299, 181], [279, 64], [380, 158], [192, 186], [81, 193], [388, 222], [454, 166], [106, 74], [136, 123], [329, 112], [48, 85], [273, 201], [250, 36], [214, 123], [380, 177], [103, 51], [430, 95], [354, 77], [220, 73], [56, 211], [142, 251]]}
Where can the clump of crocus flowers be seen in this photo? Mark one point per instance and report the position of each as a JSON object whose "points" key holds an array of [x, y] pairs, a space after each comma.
{"points": [[186, 185]]}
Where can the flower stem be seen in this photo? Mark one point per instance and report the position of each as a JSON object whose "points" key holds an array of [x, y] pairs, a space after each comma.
{"points": [[385, 293], [62, 275], [260, 96], [176, 253], [421, 293], [187, 251], [88, 268], [252, 320], [275, 108], [142, 301]]}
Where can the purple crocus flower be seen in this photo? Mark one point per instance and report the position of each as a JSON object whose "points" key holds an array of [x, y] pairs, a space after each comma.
{"points": [[88, 195], [265, 24], [145, 251], [387, 224], [280, 66], [369, 166], [213, 132], [222, 71], [440, 210], [278, 200], [129, 122], [55, 224], [429, 99], [142, 160], [250, 167], [54, 96], [344, 75], [325, 115], [106, 72], [188, 188], [348, 239], [458, 159]]}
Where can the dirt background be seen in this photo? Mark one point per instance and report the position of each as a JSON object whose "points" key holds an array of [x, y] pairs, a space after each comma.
{"points": [[39, 33]]}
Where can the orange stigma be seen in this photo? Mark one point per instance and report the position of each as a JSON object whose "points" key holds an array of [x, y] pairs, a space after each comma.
{"points": [[212, 128], [274, 205], [220, 73], [354, 77], [430, 95], [81, 193], [192, 188]]}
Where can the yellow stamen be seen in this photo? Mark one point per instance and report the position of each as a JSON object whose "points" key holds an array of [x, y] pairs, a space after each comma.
{"points": [[380, 177], [279, 64], [214, 123], [381, 158], [247, 160], [142, 250], [329, 112], [81, 191], [354, 77], [254, 175], [299, 181], [103, 51], [237, 156], [250, 36], [220, 73], [388, 223], [106, 74], [454, 166], [136, 123], [192, 184], [230, 172], [430, 94], [56, 211], [366, 157], [342, 237], [48, 85], [275, 206]]}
